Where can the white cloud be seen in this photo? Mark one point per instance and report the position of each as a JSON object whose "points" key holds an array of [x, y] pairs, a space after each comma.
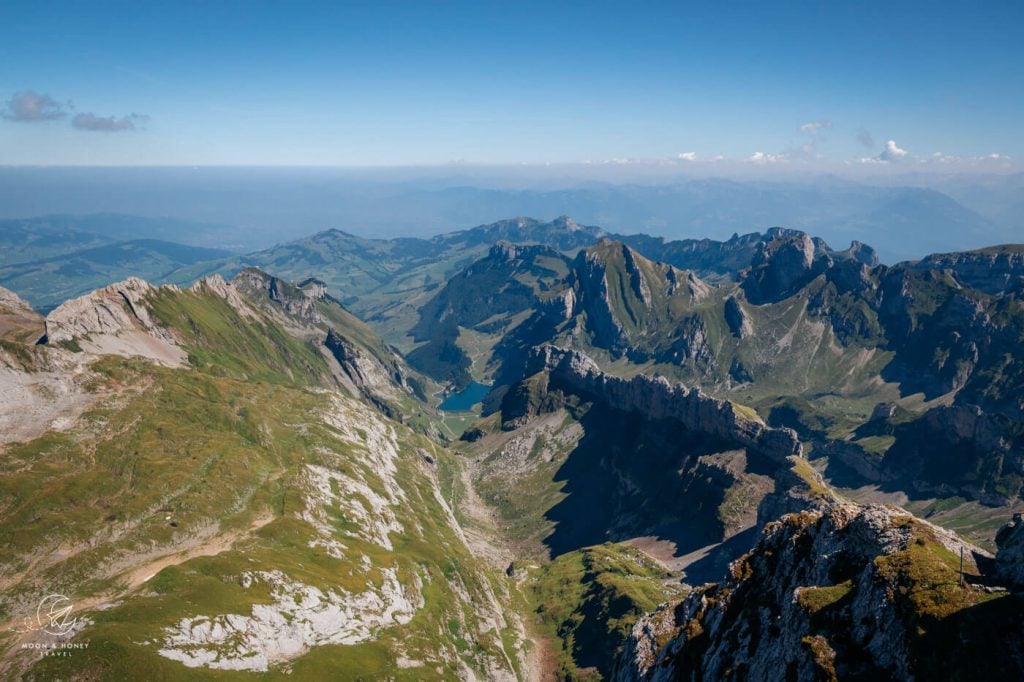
{"points": [[812, 127], [761, 159], [108, 124], [892, 152], [29, 106], [687, 156], [939, 157]]}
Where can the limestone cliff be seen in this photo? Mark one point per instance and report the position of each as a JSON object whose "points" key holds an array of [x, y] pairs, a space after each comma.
{"points": [[993, 270], [781, 265], [656, 398], [115, 320]]}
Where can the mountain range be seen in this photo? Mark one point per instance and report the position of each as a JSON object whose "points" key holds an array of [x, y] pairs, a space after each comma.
{"points": [[904, 215], [755, 457]]}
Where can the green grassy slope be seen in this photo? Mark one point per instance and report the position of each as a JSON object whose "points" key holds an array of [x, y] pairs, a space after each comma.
{"points": [[589, 599], [203, 493]]}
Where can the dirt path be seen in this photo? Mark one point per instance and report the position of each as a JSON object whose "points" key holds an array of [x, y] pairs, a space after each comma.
{"points": [[211, 547], [15, 659], [542, 661]]}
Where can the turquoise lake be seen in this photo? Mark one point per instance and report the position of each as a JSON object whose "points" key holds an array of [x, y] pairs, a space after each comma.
{"points": [[464, 400]]}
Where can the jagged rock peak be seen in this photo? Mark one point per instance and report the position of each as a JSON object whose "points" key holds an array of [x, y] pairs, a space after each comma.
{"points": [[589, 278], [792, 247], [109, 310], [295, 300], [862, 253], [314, 288], [116, 320], [782, 264], [774, 233], [216, 285], [656, 398], [567, 223]]}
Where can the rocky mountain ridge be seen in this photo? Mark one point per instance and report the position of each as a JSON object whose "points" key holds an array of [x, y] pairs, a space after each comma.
{"points": [[656, 398], [841, 592], [644, 424], [238, 510], [993, 270]]}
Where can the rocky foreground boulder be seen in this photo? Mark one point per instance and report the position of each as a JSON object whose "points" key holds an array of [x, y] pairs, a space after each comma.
{"points": [[842, 592]]}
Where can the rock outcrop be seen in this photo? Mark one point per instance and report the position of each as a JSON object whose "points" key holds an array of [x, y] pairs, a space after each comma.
{"points": [[215, 284], [959, 450], [842, 592], [992, 270], [737, 318], [297, 302], [782, 264], [18, 322], [367, 372], [115, 320], [1010, 557], [590, 280], [861, 253], [110, 310], [656, 398]]}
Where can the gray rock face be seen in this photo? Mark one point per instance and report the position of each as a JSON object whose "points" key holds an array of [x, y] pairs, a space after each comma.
{"points": [[656, 398], [780, 266], [762, 620], [928, 450], [862, 253], [737, 319], [992, 270], [637, 281], [115, 320], [296, 301], [1010, 557], [116, 308], [592, 286], [313, 288], [368, 373]]}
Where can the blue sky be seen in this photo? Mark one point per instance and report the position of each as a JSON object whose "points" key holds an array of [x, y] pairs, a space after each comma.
{"points": [[805, 85]]}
